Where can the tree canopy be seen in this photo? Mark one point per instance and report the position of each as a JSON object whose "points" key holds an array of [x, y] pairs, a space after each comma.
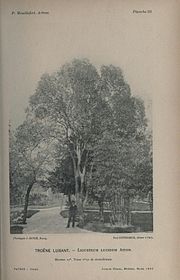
{"points": [[98, 129]]}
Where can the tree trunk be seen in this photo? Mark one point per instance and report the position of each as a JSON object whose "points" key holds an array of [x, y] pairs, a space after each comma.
{"points": [[85, 199], [69, 198], [79, 199], [27, 202], [79, 174], [101, 210], [128, 211], [79, 202], [88, 182], [119, 215], [79, 188]]}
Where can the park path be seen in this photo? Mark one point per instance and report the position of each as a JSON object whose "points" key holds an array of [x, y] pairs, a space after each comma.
{"points": [[49, 221]]}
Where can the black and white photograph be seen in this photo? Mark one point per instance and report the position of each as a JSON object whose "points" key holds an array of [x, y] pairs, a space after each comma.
{"points": [[82, 157], [89, 149], [80, 128]]}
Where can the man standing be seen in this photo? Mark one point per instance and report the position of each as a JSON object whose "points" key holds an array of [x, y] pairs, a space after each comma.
{"points": [[72, 214]]}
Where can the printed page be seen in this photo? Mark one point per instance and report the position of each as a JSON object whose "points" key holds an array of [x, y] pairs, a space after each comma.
{"points": [[90, 139]]}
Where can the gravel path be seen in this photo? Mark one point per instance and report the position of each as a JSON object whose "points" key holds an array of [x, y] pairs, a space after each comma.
{"points": [[49, 221]]}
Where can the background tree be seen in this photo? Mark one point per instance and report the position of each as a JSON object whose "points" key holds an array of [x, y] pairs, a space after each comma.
{"points": [[122, 153], [15, 174], [32, 155], [61, 179], [122, 169]]}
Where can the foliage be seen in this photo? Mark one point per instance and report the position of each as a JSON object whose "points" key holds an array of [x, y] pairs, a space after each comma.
{"points": [[29, 158], [86, 124]]}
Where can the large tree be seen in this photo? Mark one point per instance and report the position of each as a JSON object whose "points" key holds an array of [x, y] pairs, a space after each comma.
{"points": [[122, 158], [78, 105], [71, 98], [29, 158]]}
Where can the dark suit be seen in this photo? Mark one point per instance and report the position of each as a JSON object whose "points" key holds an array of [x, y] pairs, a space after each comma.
{"points": [[72, 215]]}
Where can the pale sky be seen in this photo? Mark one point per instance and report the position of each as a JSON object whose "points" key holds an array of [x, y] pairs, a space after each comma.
{"points": [[105, 34]]}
